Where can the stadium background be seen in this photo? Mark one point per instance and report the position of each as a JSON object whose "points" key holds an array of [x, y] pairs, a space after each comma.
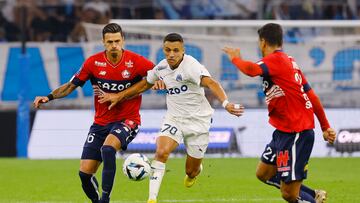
{"points": [[323, 37]]}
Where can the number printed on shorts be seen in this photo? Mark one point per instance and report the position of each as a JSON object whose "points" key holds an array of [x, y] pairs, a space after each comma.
{"points": [[170, 128], [268, 152], [90, 137]]}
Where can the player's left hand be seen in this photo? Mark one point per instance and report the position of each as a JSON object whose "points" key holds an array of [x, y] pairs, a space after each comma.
{"points": [[110, 97], [329, 135], [159, 85], [235, 109], [232, 52]]}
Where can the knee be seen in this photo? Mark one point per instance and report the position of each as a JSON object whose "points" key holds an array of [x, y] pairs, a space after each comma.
{"points": [[87, 168], [288, 196], [162, 155], [261, 176]]}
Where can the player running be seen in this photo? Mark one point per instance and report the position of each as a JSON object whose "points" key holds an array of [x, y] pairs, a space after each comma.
{"points": [[188, 116], [291, 104], [111, 71]]}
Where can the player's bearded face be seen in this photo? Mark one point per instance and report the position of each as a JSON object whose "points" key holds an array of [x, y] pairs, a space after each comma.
{"points": [[113, 43], [174, 52]]}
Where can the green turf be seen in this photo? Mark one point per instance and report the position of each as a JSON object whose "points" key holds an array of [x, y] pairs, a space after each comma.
{"points": [[223, 180]]}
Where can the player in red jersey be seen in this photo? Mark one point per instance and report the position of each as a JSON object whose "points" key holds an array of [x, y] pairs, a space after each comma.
{"points": [[110, 71], [291, 105]]}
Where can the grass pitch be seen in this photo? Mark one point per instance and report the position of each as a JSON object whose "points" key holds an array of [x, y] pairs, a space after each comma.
{"points": [[225, 180]]}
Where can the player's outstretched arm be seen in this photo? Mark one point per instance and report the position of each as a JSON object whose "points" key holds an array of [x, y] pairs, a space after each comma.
{"points": [[60, 92], [232, 52], [329, 134], [247, 67], [132, 91], [218, 91]]}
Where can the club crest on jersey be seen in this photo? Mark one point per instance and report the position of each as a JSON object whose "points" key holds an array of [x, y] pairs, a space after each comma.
{"points": [[101, 64], [129, 64], [179, 78], [125, 74]]}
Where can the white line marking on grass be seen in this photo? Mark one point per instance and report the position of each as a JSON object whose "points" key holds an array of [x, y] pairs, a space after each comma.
{"points": [[234, 200], [207, 200]]}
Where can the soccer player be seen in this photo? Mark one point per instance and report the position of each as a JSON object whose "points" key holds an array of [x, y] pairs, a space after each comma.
{"points": [[291, 104], [188, 116], [112, 70]]}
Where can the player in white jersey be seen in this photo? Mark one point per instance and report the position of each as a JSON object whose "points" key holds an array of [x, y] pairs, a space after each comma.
{"points": [[188, 114]]}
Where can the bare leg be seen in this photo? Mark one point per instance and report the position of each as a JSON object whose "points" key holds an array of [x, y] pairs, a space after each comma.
{"points": [[290, 191], [192, 166], [164, 146]]}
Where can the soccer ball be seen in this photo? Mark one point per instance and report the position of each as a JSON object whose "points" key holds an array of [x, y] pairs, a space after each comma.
{"points": [[136, 167]]}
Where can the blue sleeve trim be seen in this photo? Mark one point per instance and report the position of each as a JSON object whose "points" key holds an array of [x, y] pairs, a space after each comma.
{"points": [[76, 81], [307, 87], [264, 69]]}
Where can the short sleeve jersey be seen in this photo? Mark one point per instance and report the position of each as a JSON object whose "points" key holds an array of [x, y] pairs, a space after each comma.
{"points": [[285, 87], [112, 79], [185, 97]]}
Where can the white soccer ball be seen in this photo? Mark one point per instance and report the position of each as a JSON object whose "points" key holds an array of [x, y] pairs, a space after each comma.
{"points": [[136, 167]]}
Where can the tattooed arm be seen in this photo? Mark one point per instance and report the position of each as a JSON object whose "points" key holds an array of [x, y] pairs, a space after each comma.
{"points": [[60, 92]]}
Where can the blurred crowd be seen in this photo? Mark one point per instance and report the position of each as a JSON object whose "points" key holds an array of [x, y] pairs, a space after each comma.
{"points": [[61, 20]]}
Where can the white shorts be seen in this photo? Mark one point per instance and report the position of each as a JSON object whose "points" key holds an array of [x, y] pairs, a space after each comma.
{"points": [[194, 133]]}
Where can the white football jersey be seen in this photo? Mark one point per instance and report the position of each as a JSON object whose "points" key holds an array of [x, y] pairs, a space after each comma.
{"points": [[185, 97]]}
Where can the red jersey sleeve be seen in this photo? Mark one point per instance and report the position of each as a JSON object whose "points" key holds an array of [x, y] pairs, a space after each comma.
{"points": [[247, 67], [145, 65], [318, 110], [315, 101], [83, 74]]}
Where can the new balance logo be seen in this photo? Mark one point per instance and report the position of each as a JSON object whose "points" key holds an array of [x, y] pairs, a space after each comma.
{"points": [[102, 72], [118, 131], [284, 174]]}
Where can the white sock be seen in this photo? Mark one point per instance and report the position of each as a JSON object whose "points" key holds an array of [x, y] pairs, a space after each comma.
{"points": [[158, 171]]}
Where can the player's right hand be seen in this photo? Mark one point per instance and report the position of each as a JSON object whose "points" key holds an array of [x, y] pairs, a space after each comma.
{"points": [[40, 100], [235, 109], [329, 135], [232, 52]]}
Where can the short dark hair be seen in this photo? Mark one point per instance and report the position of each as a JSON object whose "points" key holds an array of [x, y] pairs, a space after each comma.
{"points": [[173, 37], [272, 33], [112, 28]]}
